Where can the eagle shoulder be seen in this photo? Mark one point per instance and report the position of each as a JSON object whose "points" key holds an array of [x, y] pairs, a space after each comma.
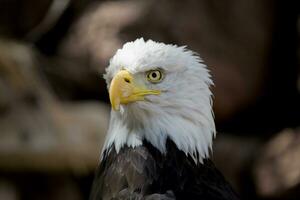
{"points": [[128, 174]]}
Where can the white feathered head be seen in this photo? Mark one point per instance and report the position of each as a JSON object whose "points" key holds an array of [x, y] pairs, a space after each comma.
{"points": [[160, 91]]}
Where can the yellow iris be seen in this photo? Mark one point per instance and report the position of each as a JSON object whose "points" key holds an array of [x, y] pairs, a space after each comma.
{"points": [[155, 76]]}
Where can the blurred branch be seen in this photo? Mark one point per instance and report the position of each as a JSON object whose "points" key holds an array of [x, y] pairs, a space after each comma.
{"points": [[37, 131], [277, 170], [55, 10]]}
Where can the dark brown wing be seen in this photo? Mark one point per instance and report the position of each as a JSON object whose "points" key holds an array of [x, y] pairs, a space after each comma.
{"points": [[130, 174], [192, 181], [143, 173]]}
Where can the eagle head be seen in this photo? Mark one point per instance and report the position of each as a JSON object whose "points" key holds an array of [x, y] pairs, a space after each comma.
{"points": [[160, 91]]}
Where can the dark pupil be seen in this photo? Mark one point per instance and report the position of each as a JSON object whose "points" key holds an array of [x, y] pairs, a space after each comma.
{"points": [[154, 75]]}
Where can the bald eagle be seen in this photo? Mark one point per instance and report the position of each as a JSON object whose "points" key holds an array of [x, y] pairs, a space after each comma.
{"points": [[161, 127]]}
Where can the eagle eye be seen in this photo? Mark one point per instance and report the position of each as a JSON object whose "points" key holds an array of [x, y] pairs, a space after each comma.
{"points": [[155, 76]]}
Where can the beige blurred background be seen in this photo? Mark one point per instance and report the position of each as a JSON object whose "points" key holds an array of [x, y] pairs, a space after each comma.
{"points": [[54, 107]]}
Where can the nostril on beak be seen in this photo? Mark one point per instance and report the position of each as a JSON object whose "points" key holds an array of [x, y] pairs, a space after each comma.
{"points": [[126, 80]]}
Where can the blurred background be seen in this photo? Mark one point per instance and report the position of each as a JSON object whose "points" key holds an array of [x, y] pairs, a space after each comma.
{"points": [[54, 107]]}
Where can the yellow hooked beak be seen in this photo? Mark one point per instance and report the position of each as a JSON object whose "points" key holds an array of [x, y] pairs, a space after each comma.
{"points": [[124, 89]]}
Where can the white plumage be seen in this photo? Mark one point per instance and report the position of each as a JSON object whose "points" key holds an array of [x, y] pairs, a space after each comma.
{"points": [[183, 110]]}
